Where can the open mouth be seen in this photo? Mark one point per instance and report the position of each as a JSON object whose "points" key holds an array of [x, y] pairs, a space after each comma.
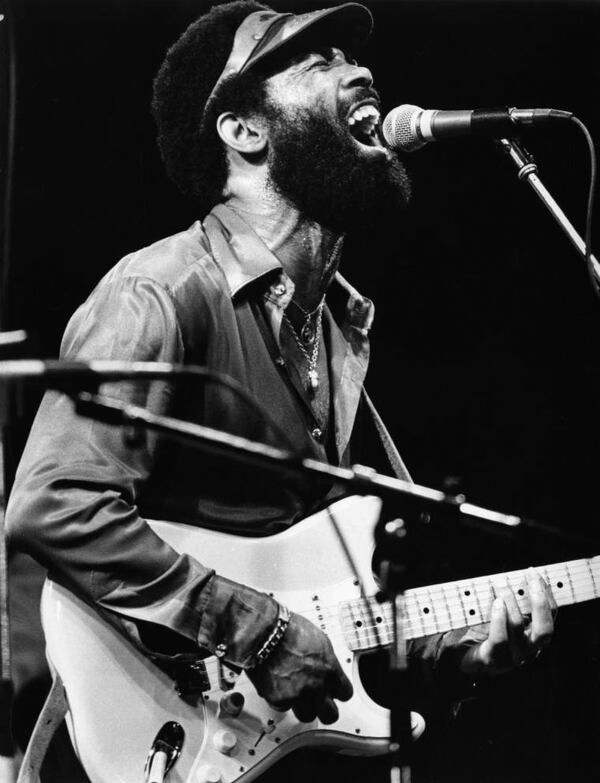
{"points": [[363, 123]]}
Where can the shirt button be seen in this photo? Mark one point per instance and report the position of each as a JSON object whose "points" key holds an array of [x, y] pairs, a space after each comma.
{"points": [[279, 289], [317, 434]]}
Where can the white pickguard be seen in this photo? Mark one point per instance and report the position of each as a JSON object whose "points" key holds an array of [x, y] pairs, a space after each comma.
{"points": [[118, 699]]}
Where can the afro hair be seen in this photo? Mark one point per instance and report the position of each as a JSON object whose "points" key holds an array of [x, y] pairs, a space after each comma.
{"points": [[194, 157]]}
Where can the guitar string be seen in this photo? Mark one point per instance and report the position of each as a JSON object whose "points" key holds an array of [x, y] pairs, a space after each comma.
{"points": [[365, 635], [583, 589], [364, 632], [417, 627], [450, 594], [581, 577]]}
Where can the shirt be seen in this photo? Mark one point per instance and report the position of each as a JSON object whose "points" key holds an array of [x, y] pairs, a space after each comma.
{"points": [[212, 295]]}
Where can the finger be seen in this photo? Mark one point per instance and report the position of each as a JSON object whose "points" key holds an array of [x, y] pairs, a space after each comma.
{"points": [[340, 686], [542, 623], [550, 597], [493, 652], [498, 632], [514, 617], [305, 708], [281, 706], [518, 640], [328, 711]]}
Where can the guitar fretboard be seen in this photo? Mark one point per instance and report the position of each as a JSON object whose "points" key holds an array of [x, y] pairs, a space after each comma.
{"points": [[428, 610]]}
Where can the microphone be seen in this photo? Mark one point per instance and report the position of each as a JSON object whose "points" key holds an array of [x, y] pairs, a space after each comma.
{"points": [[408, 128]]}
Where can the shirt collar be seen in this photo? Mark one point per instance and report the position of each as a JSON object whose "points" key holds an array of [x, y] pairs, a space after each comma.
{"points": [[239, 251], [244, 258]]}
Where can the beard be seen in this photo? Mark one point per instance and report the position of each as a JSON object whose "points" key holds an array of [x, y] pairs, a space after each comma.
{"points": [[316, 165]]}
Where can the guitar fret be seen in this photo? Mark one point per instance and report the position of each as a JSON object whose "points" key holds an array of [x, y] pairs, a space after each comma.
{"points": [[420, 612], [570, 580], [593, 578], [478, 602], [447, 606], [557, 583], [434, 618]]}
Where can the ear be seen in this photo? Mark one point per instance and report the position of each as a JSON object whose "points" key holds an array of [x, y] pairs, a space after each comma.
{"points": [[246, 135]]}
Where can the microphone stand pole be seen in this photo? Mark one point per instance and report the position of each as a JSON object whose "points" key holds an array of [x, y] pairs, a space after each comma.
{"points": [[528, 171], [8, 771], [393, 572]]}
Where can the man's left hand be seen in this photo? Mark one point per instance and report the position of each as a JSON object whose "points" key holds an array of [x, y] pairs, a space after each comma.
{"points": [[513, 639]]}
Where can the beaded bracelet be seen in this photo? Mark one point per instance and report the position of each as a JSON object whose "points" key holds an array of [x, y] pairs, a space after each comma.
{"points": [[276, 635]]}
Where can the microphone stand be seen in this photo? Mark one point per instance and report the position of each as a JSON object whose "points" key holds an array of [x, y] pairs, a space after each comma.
{"points": [[357, 479], [527, 170], [288, 465], [7, 749]]}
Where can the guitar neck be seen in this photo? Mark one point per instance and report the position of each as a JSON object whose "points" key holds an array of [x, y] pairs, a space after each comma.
{"points": [[428, 610]]}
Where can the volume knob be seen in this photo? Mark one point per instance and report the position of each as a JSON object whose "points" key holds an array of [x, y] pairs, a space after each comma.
{"points": [[232, 703], [224, 741], [208, 774]]}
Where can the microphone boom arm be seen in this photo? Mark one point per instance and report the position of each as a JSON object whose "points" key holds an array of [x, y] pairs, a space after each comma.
{"points": [[287, 464]]}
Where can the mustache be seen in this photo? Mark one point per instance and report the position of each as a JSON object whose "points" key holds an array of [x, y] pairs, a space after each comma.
{"points": [[363, 94]]}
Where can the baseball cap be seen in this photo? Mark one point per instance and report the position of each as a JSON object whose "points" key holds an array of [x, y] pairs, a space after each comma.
{"points": [[263, 33]]}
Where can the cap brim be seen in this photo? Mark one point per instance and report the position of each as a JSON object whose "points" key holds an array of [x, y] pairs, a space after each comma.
{"points": [[347, 26]]}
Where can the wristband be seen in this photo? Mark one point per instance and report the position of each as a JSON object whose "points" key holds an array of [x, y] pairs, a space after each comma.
{"points": [[276, 635]]}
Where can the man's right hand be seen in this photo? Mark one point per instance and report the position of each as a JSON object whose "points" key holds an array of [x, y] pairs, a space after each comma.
{"points": [[303, 674]]}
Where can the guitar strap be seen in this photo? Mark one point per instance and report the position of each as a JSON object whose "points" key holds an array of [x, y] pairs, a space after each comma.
{"points": [[53, 712], [396, 462]]}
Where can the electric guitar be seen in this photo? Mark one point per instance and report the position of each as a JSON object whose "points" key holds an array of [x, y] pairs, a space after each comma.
{"points": [[119, 700]]}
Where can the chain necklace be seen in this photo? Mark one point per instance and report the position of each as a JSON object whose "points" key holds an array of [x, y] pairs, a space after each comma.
{"points": [[308, 331], [313, 357]]}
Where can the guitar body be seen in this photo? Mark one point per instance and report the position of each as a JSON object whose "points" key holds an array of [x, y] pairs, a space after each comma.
{"points": [[119, 700]]}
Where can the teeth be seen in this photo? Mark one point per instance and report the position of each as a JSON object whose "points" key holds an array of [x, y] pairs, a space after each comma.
{"points": [[365, 113]]}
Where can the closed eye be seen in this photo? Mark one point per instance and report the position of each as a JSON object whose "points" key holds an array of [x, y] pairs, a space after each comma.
{"points": [[329, 55]]}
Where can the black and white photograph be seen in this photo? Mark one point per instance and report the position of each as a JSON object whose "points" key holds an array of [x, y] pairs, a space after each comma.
{"points": [[299, 391]]}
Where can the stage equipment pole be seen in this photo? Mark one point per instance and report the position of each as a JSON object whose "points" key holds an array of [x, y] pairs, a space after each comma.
{"points": [[527, 170]]}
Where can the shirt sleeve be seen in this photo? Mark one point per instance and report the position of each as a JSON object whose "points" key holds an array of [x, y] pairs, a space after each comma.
{"points": [[440, 656], [73, 504]]}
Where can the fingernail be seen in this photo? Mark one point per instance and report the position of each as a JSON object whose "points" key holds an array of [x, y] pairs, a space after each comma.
{"points": [[535, 581]]}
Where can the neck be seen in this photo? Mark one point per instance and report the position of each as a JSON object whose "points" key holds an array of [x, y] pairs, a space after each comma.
{"points": [[308, 252]]}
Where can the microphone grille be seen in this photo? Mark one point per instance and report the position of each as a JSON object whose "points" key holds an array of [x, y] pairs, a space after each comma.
{"points": [[399, 128]]}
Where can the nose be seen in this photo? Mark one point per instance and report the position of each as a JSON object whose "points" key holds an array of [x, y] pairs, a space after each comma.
{"points": [[358, 76]]}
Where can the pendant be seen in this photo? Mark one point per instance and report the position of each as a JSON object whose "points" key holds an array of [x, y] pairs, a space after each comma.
{"points": [[307, 333], [313, 381]]}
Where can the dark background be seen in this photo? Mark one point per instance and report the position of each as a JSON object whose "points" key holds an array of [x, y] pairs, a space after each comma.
{"points": [[484, 359]]}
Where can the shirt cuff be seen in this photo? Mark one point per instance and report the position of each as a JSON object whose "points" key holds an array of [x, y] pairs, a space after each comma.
{"points": [[236, 621]]}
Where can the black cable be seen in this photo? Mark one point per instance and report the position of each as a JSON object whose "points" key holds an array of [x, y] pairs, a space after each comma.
{"points": [[590, 206], [74, 372], [9, 153]]}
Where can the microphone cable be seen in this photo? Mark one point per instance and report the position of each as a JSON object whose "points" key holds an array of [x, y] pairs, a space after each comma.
{"points": [[593, 275]]}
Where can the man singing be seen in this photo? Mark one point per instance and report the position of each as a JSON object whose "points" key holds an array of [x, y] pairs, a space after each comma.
{"points": [[267, 121]]}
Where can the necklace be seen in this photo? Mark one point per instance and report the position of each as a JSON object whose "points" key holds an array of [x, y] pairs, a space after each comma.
{"points": [[313, 357], [309, 330]]}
